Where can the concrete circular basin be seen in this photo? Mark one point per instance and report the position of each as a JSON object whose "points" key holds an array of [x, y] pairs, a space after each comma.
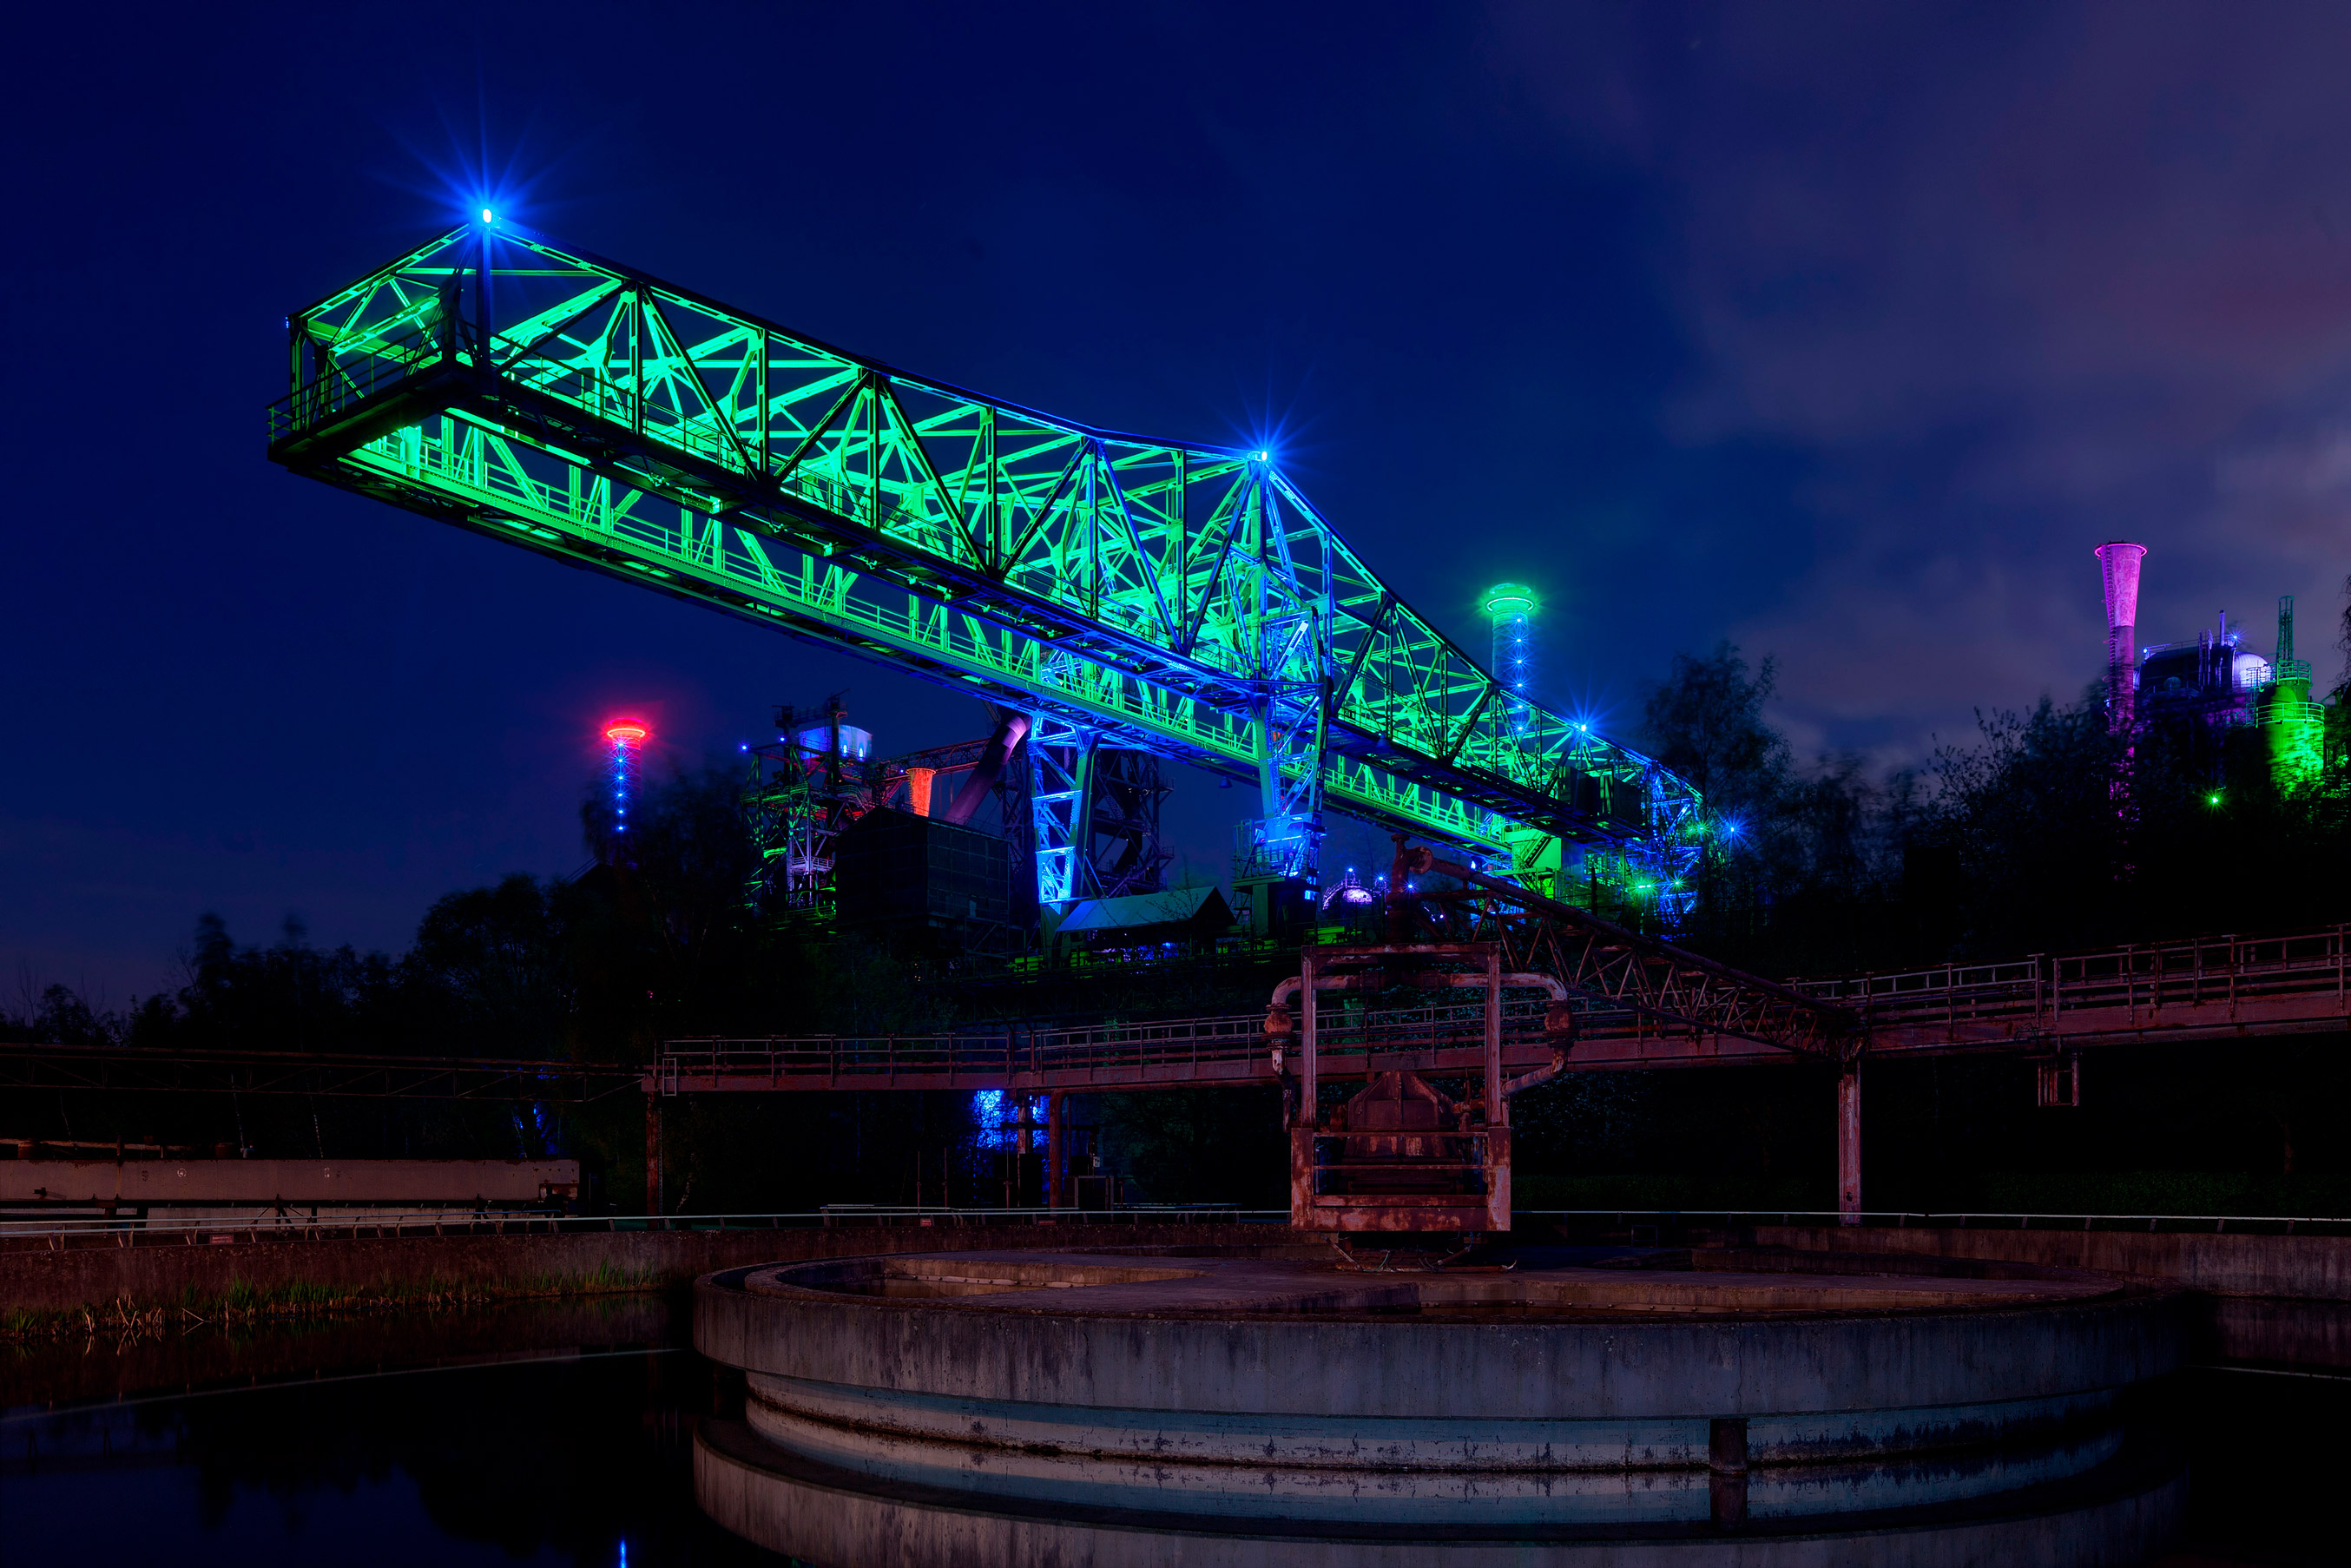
{"points": [[1577, 1391]]}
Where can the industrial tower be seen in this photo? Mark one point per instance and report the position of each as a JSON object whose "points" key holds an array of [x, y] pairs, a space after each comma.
{"points": [[623, 739], [1510, 607], [2214, 682]]}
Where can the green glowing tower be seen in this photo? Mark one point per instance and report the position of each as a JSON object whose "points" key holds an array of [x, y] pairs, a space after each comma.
{"points": [[2294, 726]]}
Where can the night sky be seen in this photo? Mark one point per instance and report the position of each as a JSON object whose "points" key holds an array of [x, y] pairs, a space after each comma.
{"points": [[1843, 331]]}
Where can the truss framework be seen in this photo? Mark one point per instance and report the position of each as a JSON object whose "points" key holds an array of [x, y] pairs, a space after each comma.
{"points": [[1626, 969], [1178, 598]]}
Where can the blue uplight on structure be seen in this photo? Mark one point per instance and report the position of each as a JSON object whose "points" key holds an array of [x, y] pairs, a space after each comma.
{"points": [[487, 218], [987, 1109]]}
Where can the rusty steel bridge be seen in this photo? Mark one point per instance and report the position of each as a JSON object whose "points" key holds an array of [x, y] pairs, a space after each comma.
{"points": [[1644, 1005], [2211, 988]]}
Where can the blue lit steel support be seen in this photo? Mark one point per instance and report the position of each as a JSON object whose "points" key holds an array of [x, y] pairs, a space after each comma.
{"points": [[1289, 717], [1061, 806], [1667, 854], [1288, 833]]}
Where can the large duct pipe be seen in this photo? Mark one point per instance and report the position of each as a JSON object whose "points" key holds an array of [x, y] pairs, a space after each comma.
{"points": [[1006, 740], [2119, 562]]}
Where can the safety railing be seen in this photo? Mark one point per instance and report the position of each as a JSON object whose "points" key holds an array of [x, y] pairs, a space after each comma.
{"points": [[128, 1230], [2134, 980], [2213, 1224], [978, 1058], [349, 382], [989, 1058]]}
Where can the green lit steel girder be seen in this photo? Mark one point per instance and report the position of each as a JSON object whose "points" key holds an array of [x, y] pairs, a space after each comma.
{"points": [[1179, 599]]}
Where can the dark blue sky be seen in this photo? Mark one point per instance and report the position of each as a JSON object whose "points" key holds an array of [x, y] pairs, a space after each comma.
{"points": [[1842, 331]]}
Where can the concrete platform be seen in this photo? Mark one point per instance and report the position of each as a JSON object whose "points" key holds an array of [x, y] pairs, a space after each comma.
{"points": [[1580, 1389]]}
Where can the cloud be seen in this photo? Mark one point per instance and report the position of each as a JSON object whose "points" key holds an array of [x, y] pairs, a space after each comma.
{"points": [[2017, 281]]}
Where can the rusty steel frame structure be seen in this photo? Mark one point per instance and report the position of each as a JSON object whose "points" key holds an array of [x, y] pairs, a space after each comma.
{"points": [[2048, 1007], [1623, 970], [2215, 991], [1350, 1177]]}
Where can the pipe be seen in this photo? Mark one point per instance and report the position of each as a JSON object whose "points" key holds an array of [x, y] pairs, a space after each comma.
{"points": [[1006, 738], [1288, 987], [1534, 1075], [2118, 564]]}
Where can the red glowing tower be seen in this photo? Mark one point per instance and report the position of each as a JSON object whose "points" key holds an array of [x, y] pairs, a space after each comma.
{"points": [[625, 737]]}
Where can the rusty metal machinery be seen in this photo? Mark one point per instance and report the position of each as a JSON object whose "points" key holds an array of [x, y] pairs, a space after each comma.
{"points": [[1402, 1154]]}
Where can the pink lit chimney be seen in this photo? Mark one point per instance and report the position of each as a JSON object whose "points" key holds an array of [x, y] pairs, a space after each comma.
{"points": [[2119, 563]]}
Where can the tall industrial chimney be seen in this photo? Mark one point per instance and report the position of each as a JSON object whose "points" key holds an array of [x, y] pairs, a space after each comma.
{"points": [[2119, 561]]}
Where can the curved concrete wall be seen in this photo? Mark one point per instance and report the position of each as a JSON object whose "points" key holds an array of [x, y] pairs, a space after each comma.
{"points": [[1479, 1370], [1261, 1390]]}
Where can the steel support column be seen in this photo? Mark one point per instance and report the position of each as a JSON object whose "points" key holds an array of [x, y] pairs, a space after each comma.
{"points": [[1849, 1141], [652, 1155], [1061, 808], [1053, 1149]]}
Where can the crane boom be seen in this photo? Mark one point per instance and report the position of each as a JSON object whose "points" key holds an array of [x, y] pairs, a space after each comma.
{"points": [[1124, 592]]}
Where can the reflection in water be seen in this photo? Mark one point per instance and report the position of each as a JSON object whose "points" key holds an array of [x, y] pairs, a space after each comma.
{"points": [[564, 1460], [555, 1459], [2119, 1511]]}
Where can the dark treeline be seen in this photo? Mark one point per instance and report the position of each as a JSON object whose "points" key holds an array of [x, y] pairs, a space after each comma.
{"points": [[2041, 833], [597, 968]]}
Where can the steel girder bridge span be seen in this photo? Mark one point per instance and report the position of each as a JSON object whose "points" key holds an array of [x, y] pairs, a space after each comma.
{"points": [[1644, 1005], [1120, 591]]}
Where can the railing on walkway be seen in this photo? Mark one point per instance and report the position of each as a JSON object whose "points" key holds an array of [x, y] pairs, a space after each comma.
{"points": [[2138, 981], [128, 1230], [1175, 1049], [2280, 982], [2184, 1224]]}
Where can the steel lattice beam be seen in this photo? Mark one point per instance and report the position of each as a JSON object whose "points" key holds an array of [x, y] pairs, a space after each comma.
{"points": [[1639, 973], [1179, 599]]}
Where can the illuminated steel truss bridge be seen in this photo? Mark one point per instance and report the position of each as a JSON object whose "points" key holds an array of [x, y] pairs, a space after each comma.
{"points": [[1123, 592]]}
